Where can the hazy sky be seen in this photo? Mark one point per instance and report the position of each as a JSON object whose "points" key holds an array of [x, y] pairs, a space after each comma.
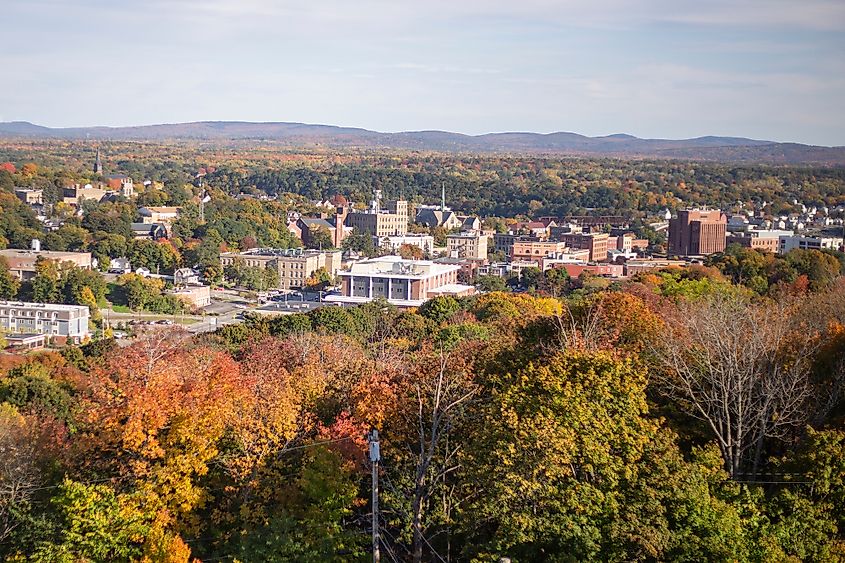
{"points": [[770, 69]]}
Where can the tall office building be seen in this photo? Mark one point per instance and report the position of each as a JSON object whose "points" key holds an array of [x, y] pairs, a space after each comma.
{"points": [[697, 232]]}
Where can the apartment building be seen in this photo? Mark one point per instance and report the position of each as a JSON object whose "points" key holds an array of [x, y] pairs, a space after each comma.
{"points": [[596, 243], [470, 244], [60, 323]]}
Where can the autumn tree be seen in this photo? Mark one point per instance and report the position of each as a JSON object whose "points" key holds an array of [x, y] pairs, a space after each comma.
{"points": [[742, 369]]}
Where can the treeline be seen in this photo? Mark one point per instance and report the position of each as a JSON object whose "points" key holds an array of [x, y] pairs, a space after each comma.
{"points": [[675, 417], [488, 185]]}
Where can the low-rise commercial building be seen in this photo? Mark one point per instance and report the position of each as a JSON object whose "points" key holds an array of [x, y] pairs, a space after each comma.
{"points": [[535, 250], [765, 240], [568, 256], [22, 262], [615, 271], [60, 323], [195, 296]]}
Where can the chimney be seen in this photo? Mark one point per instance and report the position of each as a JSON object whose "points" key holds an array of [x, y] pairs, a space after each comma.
{"points": [[35, 245]]}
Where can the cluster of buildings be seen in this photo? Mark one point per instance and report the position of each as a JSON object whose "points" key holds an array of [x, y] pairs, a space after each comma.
{"points": [[695, 233]]}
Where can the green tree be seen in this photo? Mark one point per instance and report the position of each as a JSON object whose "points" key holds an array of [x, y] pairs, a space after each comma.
{"points": [[45, 285], [9, 284], [440, 308], [360, 242], [316, 523], [321, 239], [530, 277], [93, 523], [491, 283]]}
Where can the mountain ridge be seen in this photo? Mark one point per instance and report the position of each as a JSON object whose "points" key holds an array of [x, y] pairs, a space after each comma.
{"points": [[709, 147]]}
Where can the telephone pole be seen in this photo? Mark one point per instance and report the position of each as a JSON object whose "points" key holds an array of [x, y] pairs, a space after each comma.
{"points": [[375, 457]]}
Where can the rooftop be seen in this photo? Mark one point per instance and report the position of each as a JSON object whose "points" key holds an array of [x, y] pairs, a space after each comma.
{"points": [[399, 267], [281, 252], [55, 254], [42, 306]]}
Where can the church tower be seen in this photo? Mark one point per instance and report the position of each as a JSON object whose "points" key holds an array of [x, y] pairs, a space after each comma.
{"points": [[98, 165]]}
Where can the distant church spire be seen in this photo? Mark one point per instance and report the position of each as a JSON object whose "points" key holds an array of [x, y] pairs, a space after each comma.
{"points": [[443, 196], [98, 164]]}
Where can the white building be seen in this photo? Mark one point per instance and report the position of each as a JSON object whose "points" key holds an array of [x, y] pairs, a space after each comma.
{"points": [[61, 322], [405, 283], [803, 242], [394, 243]]}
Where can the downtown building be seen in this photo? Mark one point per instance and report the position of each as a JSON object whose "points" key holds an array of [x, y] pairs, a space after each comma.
{"points": [[697, 232], [294, 265], [404, 283]]}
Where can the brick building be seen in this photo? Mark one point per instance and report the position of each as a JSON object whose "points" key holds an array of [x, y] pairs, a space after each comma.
{"points": [[697, 232]]}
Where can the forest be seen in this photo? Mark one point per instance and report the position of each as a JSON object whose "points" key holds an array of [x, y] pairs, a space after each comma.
{"points": [[676, 417], [486, 185]]}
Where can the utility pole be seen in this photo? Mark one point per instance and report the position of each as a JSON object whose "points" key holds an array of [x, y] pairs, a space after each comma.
{"points": [[375, 457]]}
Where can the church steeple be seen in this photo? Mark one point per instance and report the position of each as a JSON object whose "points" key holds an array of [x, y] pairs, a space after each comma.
{"points": [[443, 196], [98, 165]]}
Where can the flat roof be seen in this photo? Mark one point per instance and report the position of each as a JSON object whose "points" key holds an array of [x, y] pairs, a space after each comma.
{"points": [[452, 288], [45, 306], [357, 300], [45, 253]]}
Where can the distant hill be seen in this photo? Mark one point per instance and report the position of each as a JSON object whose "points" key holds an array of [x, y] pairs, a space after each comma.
{"points": [[729, 149]]}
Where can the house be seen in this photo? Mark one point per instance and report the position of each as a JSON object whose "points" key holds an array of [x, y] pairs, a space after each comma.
{"points": [[121, 184], [120, 265], [185, 276], [153, 231]]}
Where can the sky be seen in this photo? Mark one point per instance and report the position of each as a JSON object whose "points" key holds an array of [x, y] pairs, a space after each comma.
{"points": [[765, 69]]}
